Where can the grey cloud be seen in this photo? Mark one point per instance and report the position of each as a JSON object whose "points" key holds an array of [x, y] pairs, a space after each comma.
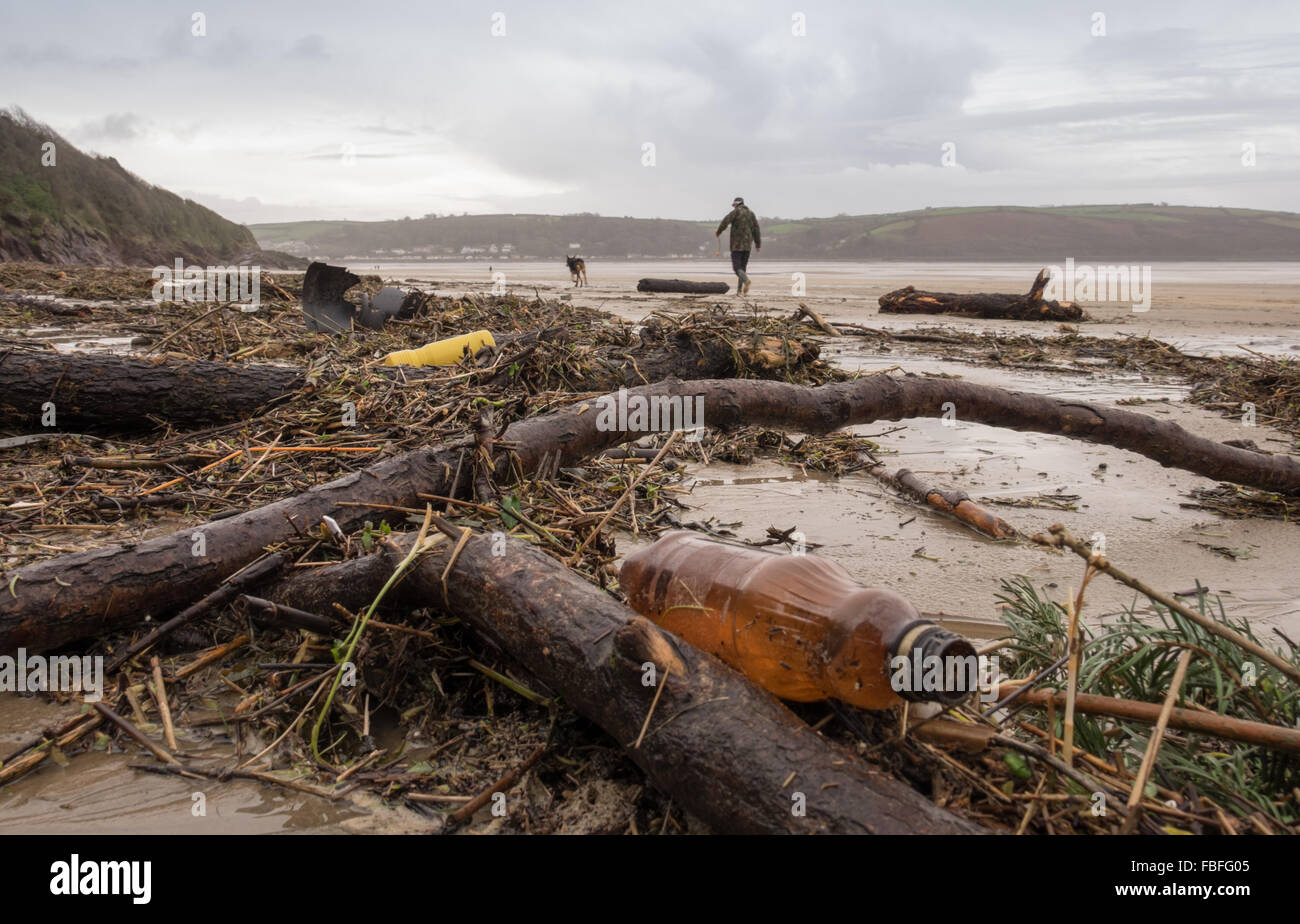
{"points": [[849, 118], [120, 126], [309, 46]]}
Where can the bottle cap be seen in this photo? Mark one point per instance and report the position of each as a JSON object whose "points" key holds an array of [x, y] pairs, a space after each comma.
{"points": [[940, 666]]}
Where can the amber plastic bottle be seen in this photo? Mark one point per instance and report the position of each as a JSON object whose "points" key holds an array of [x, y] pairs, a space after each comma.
{"points": [[798, 625]]}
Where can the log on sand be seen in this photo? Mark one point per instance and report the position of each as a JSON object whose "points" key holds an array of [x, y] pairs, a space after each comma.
{"points": [[101, 393], [94, 392], [722, 747], [1028, 307], [682, 287], [56, 601]]}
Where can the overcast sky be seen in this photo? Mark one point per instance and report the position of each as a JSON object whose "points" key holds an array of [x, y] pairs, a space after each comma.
{"points": [[385, 109]]}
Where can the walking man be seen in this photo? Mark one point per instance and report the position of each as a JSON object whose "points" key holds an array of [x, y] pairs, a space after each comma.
{"points": [[744, 233]]}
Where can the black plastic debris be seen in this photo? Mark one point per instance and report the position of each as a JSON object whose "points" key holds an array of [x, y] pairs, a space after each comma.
{"points": [[323, 306], [387, 304]]}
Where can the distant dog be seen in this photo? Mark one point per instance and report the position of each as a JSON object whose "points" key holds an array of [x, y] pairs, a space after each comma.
{"points": [[577, 269]]}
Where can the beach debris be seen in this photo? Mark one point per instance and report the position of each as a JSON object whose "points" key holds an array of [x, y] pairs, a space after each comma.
{"points": [[1274, 737], [325, 309], [378, 310], [682, 286], [1061, 537], [72, 490], [323, 306], [442, 352], [1028, 307], [956, 504], [816, 320], [798, 625]]}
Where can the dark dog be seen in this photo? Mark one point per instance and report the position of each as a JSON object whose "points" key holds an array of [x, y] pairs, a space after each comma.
{"points": [[577, 269]]}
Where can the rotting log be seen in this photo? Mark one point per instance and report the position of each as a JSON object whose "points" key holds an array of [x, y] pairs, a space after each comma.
{"points": [[682, 287], [956, 504], [722, 747], [105, 392], [57, 601], [1028, 307]]}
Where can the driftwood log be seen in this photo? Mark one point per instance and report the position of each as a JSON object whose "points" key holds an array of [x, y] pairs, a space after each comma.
{"points": [[93, 392], [72, 596], [725, 749], [1028, 307], [682, 287], [103, 393]]}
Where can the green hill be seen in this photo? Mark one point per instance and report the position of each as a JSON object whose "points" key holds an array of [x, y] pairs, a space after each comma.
{"points": [[87, 209], [1100, 233]]}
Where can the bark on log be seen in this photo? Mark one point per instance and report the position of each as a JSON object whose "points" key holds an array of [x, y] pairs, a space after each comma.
{"points": [[1027, 307], [94, 392], [956, 504], [57, 601], [722, 747], [682, 286]]}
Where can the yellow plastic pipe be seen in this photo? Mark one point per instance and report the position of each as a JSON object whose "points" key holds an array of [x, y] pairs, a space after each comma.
{"points": [[442, 352]]}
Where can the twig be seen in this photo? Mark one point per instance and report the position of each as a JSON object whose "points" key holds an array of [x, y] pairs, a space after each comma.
{"points": [[1075, 649], [465, 812], [135, 733], [216, 654], [164, 709], [663, 682], [1153, 745]]}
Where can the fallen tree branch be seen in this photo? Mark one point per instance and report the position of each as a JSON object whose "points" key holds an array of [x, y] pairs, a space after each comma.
{"points": [[1276, 737], [57, 601], [725, 749], [956, 504]]}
